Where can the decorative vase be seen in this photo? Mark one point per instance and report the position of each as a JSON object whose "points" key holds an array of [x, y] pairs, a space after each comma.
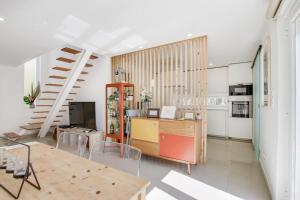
{"points": [[145, 106], [32, 105]]}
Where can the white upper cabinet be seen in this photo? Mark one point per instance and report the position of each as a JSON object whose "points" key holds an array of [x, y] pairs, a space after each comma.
{"points": [[218, 81], [240, 74]]}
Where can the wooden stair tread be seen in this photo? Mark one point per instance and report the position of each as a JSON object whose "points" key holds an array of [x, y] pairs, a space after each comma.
{"points": [[34, 126], [47, 111], [67, 60], [42, 122], [47, 99], [61, 69], [47, 105], [12, 135], [93, 57], [57, 77], [70, 50], [54, 84], [42, 111], [84, 72], [38, 117], [44, 117], [60, 85], [50, 92], [53, 92], [89, 65]]}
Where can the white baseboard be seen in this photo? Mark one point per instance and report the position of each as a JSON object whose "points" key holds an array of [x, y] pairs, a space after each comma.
{"points": [[267, 178]]}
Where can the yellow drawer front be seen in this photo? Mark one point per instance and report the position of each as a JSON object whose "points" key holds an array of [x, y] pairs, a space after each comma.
{"points": [[144, 129]]}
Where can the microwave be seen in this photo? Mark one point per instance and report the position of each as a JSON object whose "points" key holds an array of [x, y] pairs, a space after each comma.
{"points": [[240, 90]]}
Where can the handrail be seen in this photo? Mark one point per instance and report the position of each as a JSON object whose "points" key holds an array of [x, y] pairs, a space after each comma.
{"points": [[257, 52]]}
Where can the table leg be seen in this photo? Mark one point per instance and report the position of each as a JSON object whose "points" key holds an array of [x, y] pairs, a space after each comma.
{"points": [[189, 168], [142, 195]]}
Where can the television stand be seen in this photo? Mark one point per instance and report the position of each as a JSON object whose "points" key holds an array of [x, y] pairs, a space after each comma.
{"points": [[92, 135]]}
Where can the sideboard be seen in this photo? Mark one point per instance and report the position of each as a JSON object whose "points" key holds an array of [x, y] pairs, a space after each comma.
{"points": [[177, 140]]}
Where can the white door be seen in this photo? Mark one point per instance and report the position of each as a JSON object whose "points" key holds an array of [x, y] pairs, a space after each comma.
{"points": [[297, 116]]}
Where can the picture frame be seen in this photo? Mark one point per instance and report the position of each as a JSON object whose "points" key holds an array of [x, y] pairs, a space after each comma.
{"points": [[266, 73], [168, 112], [189, 116], [153, 113]]}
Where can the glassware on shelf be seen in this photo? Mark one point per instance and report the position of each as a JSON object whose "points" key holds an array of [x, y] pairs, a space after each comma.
{"points": [[111, 128], [10, 165], [3, 158], [20, 168]]}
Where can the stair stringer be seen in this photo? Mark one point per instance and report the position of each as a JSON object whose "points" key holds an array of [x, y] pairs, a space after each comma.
{"points": [[65, 90]]}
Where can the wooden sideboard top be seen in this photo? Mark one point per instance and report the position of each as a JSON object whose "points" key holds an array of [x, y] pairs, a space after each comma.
{"points": [[160, 119]]}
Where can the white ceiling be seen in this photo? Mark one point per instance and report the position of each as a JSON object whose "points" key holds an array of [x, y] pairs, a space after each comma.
{"points": [[34, 27]]}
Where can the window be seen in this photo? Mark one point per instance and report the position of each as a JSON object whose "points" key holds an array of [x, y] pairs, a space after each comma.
{"points": [[30, 77]]}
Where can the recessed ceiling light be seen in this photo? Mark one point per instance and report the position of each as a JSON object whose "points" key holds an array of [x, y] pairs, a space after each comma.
{"points": [[2, 19], [140, 47], [189, 35], [210, 64]]}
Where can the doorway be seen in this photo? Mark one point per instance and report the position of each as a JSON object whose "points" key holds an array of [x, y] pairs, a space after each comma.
{"points": [[256, 102]]}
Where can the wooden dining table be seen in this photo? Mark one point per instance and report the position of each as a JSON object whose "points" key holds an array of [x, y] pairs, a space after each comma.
{"points": [[65, 176]]}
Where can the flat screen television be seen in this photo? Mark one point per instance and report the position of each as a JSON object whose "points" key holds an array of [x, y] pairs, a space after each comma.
{"points": [[82, 114]]}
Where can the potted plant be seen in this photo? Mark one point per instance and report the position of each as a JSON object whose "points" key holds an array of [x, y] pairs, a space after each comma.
{"points": [[31, 97]]}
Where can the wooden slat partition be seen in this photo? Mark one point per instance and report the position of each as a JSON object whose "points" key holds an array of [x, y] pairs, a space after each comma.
{"points": [[175, 74]]}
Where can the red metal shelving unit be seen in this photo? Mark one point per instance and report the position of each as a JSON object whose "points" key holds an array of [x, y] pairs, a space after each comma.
{"points": [[120, 88]]}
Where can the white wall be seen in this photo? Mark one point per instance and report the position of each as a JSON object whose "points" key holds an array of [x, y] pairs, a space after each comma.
{"points": [[94, 89], [13, 112], [276, 119]]}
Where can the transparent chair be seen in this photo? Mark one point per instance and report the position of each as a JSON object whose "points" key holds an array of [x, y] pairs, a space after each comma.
{"points": [[117, 155], [73, 142]]}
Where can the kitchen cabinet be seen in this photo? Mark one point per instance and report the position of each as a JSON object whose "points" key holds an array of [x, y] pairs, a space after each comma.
{"points": [[240, 74], [240, 128], [217, 125]]}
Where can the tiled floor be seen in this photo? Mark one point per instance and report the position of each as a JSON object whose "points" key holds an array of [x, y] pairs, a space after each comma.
{"points": [[231, 166]]}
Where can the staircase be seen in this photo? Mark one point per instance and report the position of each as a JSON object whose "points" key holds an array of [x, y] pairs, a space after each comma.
{"points": [[65, 75]]}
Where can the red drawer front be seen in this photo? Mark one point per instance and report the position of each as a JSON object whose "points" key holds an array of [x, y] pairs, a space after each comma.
{"points": [[177, 147]]}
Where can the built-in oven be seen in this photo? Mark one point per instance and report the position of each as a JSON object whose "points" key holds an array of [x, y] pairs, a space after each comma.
{"points": [[240, 107], [240, 90]]}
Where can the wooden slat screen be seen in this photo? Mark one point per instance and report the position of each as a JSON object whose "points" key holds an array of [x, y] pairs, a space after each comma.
{"points": [[175, 73]]}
